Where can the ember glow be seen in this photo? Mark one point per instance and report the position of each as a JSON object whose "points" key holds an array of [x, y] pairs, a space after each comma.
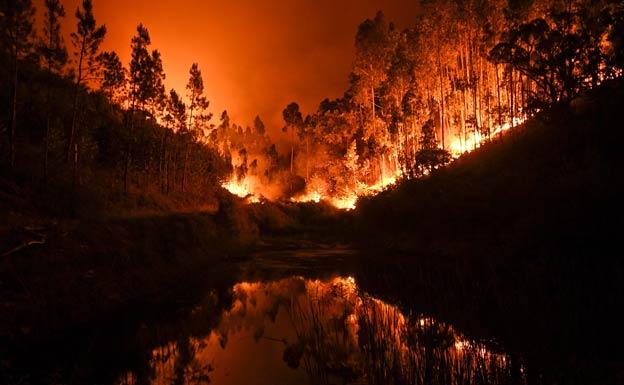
{"points": [[317, 190]]}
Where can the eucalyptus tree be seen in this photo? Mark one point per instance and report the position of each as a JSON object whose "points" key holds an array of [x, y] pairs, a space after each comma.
{"points": [[17, 36], [374, 44]]}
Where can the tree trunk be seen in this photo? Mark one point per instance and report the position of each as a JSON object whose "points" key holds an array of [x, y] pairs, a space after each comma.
{"points": [[442, 127], [511, 96], [292, 149], [162, 162], [473, 84], [185, 167], [72, 132], [128, 156], [13, 114], [464, 110], [76, 180], [46, 140], [381, 168], [498, 96]]}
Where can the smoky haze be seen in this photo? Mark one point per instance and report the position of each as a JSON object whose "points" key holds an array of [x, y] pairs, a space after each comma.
{"points": [[255, 56]]}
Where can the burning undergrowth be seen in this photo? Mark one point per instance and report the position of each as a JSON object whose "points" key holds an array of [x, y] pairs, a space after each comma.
{"points": [[319, 173]]}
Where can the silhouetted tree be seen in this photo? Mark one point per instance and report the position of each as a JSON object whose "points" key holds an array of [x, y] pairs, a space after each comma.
{"points": [[146, 89], [16, 34], [198, 103], [294, 120], [259, 128], [430, 156], [86, 41], [54, 57], [114, 77]]}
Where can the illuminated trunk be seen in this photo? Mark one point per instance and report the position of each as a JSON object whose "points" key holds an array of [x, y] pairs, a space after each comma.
{"points": [[405, 150], [191, 110], [464, 109], [307, 159], [414, 145], [442, 127], [475, 127], [372, 97], [381, 168], [522, 91], [292, 150], [511, 96], [498, 96], [488, 106]]}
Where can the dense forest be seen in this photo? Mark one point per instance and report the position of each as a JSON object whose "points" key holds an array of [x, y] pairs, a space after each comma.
{"points": [[79, 122]]}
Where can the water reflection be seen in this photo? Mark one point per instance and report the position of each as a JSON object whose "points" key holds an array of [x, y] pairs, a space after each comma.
{"points": [[296, 331]]}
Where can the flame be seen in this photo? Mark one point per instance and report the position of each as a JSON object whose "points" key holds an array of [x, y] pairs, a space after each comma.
{"points": [[241, 188], [475, 140], [237, 188], [345, 203], [311, 196], [317, 190]]}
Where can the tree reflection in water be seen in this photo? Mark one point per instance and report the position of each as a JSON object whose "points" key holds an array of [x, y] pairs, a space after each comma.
{"points": [[324, 332]]}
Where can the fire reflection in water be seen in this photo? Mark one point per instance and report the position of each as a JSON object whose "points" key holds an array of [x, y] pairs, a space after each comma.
{"points": [[296, 331]]}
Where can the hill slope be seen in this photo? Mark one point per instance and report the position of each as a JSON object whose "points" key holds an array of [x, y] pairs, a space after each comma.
{"points": [[519, 240], [554, 182]]}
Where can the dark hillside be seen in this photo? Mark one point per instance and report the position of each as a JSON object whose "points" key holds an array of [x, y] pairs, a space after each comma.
{"points": [[554, 182], [519, 240]]}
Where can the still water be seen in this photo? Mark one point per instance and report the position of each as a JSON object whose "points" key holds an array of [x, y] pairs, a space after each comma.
{"points": [[296, 330]]}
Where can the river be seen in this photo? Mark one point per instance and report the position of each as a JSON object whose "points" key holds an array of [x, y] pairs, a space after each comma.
{"points": [[285, 317]]}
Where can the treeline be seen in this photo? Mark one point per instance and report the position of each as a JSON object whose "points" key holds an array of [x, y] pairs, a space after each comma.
{"points": [[79, 117], [463, 73]]}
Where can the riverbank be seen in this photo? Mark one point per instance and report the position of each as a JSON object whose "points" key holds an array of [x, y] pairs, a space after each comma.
{"points": [[57, 273]]}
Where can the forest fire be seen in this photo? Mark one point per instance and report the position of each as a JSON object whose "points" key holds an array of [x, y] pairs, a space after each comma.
{"points": [[242, 189], [459, 147], [473, 146]]}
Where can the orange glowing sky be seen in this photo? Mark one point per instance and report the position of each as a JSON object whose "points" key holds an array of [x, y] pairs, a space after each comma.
{"points": [[256, 56]]}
